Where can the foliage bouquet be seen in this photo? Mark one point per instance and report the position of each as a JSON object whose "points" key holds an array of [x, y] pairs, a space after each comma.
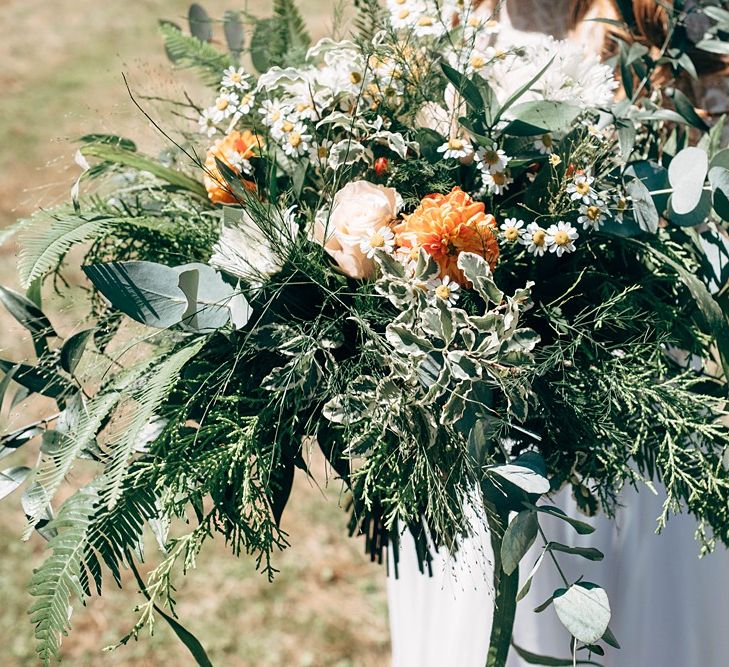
{"points": [[459, 267]]}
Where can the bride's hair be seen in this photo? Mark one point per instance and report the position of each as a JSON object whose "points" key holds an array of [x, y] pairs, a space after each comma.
{"points": [[651, 21]]}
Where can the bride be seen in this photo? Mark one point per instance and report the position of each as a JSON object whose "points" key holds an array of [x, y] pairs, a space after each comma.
{"points": [[668, 606]]}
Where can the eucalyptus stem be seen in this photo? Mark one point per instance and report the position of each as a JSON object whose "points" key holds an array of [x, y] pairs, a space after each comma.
{"points": [[506, 587]]}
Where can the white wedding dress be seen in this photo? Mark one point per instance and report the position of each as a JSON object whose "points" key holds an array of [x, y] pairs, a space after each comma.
{"points": [[669, 608]]}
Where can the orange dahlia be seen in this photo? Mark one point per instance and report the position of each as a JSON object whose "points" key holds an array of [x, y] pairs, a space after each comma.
{"points": [[231, 149], [447, 225]]}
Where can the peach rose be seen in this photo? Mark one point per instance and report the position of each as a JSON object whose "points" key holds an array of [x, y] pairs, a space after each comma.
{"points": [[359, 209]]}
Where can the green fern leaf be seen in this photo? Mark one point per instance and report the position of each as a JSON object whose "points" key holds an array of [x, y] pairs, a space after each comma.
{"points": [[59, 578], [62, 447], [190, 53], [296, 36], [48, 236], [145, 397]]}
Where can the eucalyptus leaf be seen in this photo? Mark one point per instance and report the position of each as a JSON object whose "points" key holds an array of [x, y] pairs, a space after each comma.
{"points": [[523, 477], [644, 208], [147, 292], [200, 24], [210, 299], [12, 478], [584, 610], [36, 378], [233, 30], [581, 527], [590, 553], [540, 117], [536, 659], [687, 174]]}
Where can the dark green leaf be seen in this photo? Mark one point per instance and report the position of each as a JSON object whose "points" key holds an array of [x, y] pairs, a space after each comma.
{"points": [[518, 538], [30, 316], [73, 349], [36, 378], [687, 111], [264, 35], [516, 95], [535, 659], [467, 88], [589, 553], [719, 179], [581, 527], [120, 142]]}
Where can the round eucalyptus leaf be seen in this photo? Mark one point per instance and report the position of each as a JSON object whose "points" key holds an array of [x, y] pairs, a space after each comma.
{"points": [[694, 217], [584, 610], [687, 173], [233, 30], [525, 478]]}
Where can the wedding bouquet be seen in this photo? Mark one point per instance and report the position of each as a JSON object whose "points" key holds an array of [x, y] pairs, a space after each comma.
{"points": [[462, 268]]}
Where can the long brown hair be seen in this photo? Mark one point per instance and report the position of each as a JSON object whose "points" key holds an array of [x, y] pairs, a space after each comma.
{"points": [[651, 30]]}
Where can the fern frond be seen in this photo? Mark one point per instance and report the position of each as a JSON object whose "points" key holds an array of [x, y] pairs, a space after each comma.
{"points": [[60, 576], [189, 52], [296, 36], [369, 18], [145, 397], [49, 235], [62, 447]]}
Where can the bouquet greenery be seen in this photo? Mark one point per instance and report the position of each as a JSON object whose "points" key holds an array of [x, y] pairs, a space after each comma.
{"points": [[457, 266]]}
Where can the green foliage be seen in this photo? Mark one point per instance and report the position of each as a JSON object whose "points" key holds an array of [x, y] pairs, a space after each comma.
{"points": [[189, 52]]}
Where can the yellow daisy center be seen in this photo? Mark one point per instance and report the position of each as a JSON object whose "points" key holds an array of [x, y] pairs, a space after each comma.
{"points": [[275, 115], [236, 77], [499, 177], [582, 188], [455, 144], [561, 237], [491, 157], [473, 22], [404, 13], [511, 234], [377, 240], [593, 212], [442, 292], [547, 140], [491, 24], [554, 160], [425, 21], [538, 237], [355, 77], [294, 139], [477, 62], [222, 103], [287, 126], [322, 152], [622, 204]]}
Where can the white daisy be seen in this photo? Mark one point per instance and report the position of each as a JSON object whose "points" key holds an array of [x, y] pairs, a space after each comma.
{"points": [[444, 290], [236, 77], [382, 238], [535, 239], [491, 27], [403, 13], [592, 216], [226, 105], [429, 25], [273, 111], [298, 141], [319, 153], [492, 159], [512, 229], [561, 238], [246, 103], [496, 182], [207, 124], [544, 144], [238, 162], [456, 149], [581, 189]]}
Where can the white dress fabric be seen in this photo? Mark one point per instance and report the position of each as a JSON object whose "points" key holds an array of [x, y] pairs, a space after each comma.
{"points": [[669, 608]]}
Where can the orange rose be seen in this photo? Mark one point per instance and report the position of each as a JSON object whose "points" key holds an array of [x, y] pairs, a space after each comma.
{"points": [[447, 225], [231, 149]]}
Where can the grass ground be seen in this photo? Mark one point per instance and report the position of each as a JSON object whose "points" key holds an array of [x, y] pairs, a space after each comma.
{"points": [[60, 77]]}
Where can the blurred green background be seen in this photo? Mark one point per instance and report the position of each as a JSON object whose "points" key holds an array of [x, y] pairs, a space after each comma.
{"points": [[60, 76]]}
